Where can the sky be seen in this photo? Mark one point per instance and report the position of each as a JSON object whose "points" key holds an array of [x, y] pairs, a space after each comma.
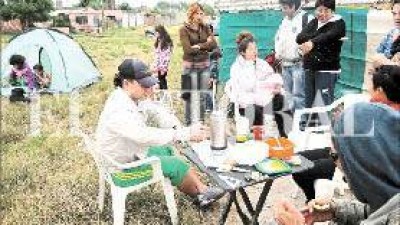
{"points": [[136, 3]]}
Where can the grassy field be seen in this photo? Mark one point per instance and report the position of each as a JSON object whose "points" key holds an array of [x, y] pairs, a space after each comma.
{"points": [[50, 179]]}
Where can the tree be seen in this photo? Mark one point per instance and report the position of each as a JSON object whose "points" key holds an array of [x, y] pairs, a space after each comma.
{"points": [[95, 4], [125, 6], [209, 10], [27, 11], [163, 6]]}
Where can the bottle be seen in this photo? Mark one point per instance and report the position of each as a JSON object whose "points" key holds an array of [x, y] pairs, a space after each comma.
{"points": [[242, 129], [219, 139], [270, 126]]}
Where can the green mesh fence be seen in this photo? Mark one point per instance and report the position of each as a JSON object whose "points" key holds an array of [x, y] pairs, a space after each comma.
{"points": [[263, 24]]}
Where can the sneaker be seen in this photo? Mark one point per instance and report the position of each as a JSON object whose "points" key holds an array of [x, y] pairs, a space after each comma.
{"points": [[209, 196]]}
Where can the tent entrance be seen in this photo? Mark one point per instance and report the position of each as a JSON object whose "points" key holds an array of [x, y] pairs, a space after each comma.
{"points": [[44, 60]]}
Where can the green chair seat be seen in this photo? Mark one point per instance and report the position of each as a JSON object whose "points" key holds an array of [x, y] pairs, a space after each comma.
{"points": [[133, 176]]}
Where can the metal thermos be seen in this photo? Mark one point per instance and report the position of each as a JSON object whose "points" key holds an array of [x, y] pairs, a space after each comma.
{"points": [[219, 139]]}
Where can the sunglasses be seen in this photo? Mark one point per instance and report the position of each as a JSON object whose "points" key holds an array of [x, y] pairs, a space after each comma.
{"points": [[334, 156]]}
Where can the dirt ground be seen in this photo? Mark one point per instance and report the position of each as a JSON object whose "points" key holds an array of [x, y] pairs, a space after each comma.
{"points": [[282, 188]]}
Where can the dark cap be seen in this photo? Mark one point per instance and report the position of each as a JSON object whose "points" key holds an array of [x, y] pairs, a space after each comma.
{"points": [[137, 70]]}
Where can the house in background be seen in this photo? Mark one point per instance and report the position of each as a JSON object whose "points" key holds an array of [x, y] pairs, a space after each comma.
{"points": [[89, 19]]}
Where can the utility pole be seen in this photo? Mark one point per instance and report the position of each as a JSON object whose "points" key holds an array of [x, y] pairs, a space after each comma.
{"points": [[102, 16], [170, 12]]}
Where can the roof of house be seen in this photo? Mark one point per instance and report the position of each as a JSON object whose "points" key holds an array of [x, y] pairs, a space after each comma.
{"points": [[88, 10]]}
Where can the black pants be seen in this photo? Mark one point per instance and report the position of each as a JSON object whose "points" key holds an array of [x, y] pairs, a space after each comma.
{"points": [[319, 88], [277, 106], [324, 167], [163, 80]]}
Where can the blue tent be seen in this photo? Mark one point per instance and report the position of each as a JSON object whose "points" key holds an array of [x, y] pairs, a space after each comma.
{"points": [[59, 54]]}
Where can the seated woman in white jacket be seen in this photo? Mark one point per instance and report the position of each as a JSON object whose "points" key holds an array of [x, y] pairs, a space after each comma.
{"points": [[252, 82]]}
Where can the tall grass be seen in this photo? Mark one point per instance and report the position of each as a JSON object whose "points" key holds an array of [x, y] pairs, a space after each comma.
{"points": [[50, 179]]}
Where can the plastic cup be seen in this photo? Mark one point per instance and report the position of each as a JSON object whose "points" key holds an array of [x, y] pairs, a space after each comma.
{"points": [[324, 189]]}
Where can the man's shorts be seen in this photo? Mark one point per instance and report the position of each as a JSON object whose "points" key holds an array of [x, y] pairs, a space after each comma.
{"points": [[172, 166]]}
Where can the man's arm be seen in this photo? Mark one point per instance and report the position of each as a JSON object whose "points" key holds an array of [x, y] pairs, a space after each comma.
{"points": [[306, 33], [162, 116], [338, 31], [350, 212], [131, 128]]}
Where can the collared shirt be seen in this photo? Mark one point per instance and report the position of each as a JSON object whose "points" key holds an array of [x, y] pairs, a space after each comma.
{"points": [[123, 132]]}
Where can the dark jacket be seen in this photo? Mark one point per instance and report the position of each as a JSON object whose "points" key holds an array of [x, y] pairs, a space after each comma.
{"points": [[190, 37], [325, 54]]}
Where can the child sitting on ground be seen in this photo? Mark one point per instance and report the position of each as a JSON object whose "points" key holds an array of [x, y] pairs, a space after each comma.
{"points": [[43, 79], [21, 74]]}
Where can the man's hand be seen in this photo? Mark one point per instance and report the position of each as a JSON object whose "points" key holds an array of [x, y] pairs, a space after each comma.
{"points": [[312, 214], [306, 47], [286, 214]]}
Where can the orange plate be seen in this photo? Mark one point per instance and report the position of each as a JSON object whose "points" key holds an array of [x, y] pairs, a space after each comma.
{"points": [[286, 150]]}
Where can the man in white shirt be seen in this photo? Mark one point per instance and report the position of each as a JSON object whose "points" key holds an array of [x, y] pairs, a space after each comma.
{"points": [[287, 51], [123, 133]]}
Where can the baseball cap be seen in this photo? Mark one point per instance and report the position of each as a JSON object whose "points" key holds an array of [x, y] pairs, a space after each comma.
{"points": [[137, 70]]}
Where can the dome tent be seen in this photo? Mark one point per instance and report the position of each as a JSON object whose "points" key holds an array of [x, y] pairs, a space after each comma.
{"points": [[60, 55]]}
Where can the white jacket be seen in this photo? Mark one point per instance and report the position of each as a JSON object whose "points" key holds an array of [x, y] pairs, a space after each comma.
{"points": [[286, 47], [252, 82], [123, 134]]}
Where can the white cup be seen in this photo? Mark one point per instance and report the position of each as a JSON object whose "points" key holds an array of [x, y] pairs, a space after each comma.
{"points": [[324, 189]]}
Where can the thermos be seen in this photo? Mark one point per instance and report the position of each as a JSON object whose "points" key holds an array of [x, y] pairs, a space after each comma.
{"points": [[219, 139]]}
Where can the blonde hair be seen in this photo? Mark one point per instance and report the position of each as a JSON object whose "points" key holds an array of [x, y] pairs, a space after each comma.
{"points": [[192, 10]]}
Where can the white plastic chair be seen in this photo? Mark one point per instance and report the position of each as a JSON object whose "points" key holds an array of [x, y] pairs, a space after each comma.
{"points": [[320, 137], [119, 194]]}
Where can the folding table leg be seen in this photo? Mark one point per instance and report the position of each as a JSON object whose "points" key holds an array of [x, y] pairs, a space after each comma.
{"points": [[227, 208], [245, 219], [246, 201], [261, 201]]}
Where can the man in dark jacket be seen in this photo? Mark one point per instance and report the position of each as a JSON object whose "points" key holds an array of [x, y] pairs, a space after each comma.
{"points": [[320, 43]]}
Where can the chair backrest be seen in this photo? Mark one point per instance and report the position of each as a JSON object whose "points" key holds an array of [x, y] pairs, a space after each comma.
{"points": [[91, 147], [319, 136]]}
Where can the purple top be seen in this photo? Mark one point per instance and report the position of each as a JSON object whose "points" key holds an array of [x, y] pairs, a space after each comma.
{"points": [[27, 73]]}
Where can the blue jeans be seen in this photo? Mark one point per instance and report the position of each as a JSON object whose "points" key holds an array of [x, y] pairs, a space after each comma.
{"points": [[196, 86], [319, 88], [293, 82]]}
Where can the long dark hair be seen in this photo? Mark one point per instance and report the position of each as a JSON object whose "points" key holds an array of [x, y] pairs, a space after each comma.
{"points": [[164, 39]]}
